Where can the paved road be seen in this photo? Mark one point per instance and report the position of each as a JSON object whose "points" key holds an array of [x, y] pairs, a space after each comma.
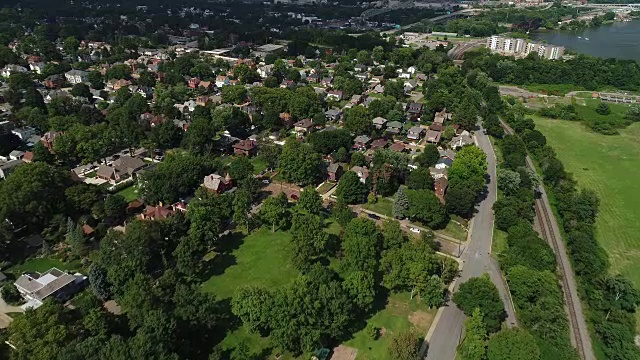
{"points": [[477, 261]]}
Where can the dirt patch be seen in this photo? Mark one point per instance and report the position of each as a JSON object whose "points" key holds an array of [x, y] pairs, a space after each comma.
{"points": [[420, 319], [276, 187], [382, 332], [113, 307], [344, 353]]}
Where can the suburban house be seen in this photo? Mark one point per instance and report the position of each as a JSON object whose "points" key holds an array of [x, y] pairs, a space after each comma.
{"points": [[394, 127], [9, 70], [357, 99], [152, 213], [36, 287], [362, 172], [379, 122], [398, 147], [440, 187], [379, 144], [335, 95], [222, 80], [265, 71], [16, 155], [333, 114], [48, 138], [441, 117], [54, 81], [76, 76], [437, 127], [303, 126], [217, 183], [7, 167], [245, 147], [415, 133], [438, 173], [123, 168], [433, 136], [334, 172], [361, 142], [415, 110], [443, 163], [461, 140]]}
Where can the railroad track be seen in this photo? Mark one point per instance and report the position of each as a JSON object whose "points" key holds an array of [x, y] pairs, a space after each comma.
{"points": [[547, 233]]}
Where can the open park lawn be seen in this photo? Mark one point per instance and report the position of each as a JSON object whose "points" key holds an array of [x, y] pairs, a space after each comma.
{"points": [[400, 313], [261, 258], [586, 110], [608, 165]]}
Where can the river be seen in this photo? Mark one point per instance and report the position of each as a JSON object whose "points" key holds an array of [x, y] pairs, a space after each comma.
{"points": [[617, 40]]}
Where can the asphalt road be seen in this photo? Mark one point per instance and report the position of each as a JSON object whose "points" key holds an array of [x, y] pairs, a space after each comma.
{"points": [[477, 261]]}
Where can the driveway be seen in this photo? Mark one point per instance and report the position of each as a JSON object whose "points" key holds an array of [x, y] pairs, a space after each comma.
{"points": [[4, 309]]}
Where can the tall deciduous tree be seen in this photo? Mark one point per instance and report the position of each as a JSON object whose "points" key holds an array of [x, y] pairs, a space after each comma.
{"points": [[274, 211], [474, 345], [350, 189], [361, 246], [309, 240], [513, 344], [403, 346], [310, 201], [358, 120], [481, 293], [299, 163]]}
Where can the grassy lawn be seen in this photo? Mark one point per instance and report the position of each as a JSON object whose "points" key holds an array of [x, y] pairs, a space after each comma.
{"points": [[91, 174], [326, 186], [262, 258], [399, 314], [130, 193], [455, 231], [588, 112], [259, 164], [499, 243], [608, 165], [552, 89], [383, 206], [43, 264]]}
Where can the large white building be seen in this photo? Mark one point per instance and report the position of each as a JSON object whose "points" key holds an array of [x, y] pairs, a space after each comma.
{"points": [[521, 47]]}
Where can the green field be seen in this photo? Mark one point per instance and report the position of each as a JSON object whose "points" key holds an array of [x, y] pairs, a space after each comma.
{"points": [[262, 258], [586, 110], [608, 165]]}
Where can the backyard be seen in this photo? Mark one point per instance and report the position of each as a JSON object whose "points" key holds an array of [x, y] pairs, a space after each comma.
{"points": [[42, 264], [608, 165], [130, 193]]}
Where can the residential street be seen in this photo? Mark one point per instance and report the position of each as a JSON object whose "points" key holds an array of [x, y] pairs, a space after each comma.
{"points": [[477, 261]]}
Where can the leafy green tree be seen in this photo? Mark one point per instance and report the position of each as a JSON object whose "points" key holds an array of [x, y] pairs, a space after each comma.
{"points": [[274, 211], [429, 157], [350, 189], [81, 90], [241, 168], [401, 204], [10, 294], [603, 109], [426, 207], [310, 201], [403, 346], [309, 240], [508, 181], [299, 163], [234, 94], [469, 169], [99, 282], [252, 304], [460, 200], [41, 334], [342, 213], [32, 194], [466, 115], [474, 344], [358, 120], [241, 207], [362, 289], [420, 179], [166, 135], [513, 344], [481, 293], [361, 246], [394, 88]]}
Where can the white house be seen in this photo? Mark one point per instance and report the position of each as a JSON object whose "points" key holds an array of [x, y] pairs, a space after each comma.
{"points": [[12, 69], [76, 76]]}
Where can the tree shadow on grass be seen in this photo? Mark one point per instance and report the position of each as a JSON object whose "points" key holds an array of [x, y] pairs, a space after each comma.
{"points": [[224, 257]]}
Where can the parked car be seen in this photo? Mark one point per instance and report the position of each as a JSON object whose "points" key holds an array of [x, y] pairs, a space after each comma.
{"points": [[373, 216], [415, 230], [266, 181]]}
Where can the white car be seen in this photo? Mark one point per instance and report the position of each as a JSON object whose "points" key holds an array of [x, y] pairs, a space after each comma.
{"points": [[415, 230], [265, 181]]}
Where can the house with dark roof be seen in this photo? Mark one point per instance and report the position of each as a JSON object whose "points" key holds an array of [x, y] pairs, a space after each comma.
{"points": [[379, 122], [245, 147], [334, 172], [361, 142], [440, 187], [415, 133], [394, 127], [378, 144], [433, 136], [159, 212], [333, 114], [414, 110], [303, 127], [123, 168], [362, 172]]}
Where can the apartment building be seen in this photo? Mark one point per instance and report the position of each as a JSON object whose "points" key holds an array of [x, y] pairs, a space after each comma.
{"points": [[522, 48]]}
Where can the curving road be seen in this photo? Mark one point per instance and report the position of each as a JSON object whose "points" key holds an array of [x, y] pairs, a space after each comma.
{"points": [[477, 261]]}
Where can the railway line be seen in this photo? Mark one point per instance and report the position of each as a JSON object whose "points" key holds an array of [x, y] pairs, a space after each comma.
{"points": [[551, 233]]}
